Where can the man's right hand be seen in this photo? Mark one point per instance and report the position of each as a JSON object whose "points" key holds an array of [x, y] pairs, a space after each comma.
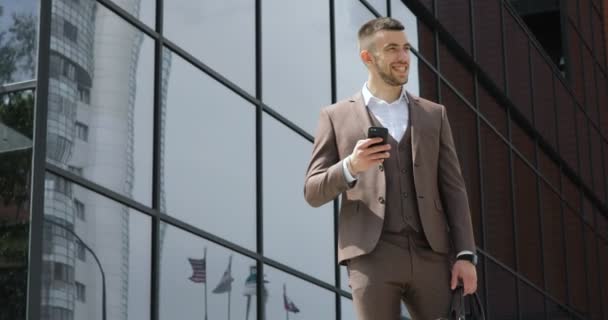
{"points": [[364, 155]]}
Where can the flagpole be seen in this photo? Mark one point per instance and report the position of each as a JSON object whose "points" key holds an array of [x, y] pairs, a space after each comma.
{"points": [[205, 258], [230, 290], [284, 299], [248, 303]]}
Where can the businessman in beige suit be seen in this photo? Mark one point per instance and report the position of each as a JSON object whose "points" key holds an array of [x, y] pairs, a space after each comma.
{"points": [[405, 230]]}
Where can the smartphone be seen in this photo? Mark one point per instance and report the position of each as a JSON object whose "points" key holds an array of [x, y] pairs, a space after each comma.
{"points": [[378, 132]]}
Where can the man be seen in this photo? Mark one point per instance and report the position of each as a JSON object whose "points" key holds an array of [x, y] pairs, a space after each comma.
{"points": [[405, 231]]}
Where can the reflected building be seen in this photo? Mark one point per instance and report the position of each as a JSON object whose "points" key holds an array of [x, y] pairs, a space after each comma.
{"points": [[92, 90]]}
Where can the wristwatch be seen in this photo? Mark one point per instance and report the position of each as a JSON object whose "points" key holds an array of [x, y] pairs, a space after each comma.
{"points": [[471, 257]]}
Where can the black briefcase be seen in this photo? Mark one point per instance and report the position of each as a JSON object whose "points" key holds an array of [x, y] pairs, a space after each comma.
{"points": [[465, 307]]}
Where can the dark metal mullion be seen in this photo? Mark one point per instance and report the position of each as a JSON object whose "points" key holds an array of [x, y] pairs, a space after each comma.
{"points": [[259, 116], [603, 311], [34, 274], [334, 98], [157, 165], [389, 11], [18, 86], [371, 8], [128, 17], [437, 59]]}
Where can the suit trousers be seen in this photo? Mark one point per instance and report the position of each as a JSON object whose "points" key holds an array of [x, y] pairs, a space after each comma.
{"points": [[402, 267]]}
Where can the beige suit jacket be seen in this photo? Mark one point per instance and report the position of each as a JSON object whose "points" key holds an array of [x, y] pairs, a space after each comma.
{"points": [[442, 197]]}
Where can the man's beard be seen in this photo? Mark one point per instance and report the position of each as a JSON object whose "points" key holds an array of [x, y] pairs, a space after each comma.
{"points": [[389, 78]]}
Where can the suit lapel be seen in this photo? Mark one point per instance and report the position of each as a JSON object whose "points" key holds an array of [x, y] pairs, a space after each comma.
{"points": [[416, 115], [361, 114]]}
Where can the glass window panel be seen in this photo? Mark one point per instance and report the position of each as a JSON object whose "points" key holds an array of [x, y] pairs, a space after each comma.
{"points": [[410, 22], [193, 25], [587, 211], [293, 98], [488, 39], [585, 23], [528, 223], [523, 142], [344, 279], [455, 16], [556, 311], [347, 309], [456, 73], [464, 130], [602, 98], [379, 5], [567, 126], [549, 169], [600, 50], [571, 193], [572, 11], [428, 83], [223, 271], [351, 73], [598, 169], [144, 10], [518, 68], [593, 275], [18, 40], [583, 146], [577, 285], [590, 85], [532, 303], [492, 111], [311, 301], [426, 38], [114, 69], [544, 106], [601, 225], [498, 217], [575, 67], [201, 183], [603, 256], [117, 235], [553, 241], [502, 296], [289, 222]]}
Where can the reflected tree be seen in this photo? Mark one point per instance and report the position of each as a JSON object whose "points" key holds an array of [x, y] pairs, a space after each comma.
{"points": [[18, 47]]}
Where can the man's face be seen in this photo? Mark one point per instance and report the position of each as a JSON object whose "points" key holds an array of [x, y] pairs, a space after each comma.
{"points": [[390, 57]]}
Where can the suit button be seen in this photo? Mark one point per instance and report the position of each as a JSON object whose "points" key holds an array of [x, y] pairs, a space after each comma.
{"points": [[381, 167], [402, 148], [405, 194], [381, 200], [416, 164], [421, 197], [403, 171]]}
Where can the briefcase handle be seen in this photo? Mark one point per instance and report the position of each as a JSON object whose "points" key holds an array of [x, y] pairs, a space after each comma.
{"points": [[458, 310]]}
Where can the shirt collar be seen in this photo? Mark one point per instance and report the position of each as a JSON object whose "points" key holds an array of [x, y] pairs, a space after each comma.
{"points": [[367, 95]]}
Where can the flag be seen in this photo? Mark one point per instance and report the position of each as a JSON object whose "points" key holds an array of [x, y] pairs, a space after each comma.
{"points": [[287, 303], [199, 270], [250, 283], [225, 284]]}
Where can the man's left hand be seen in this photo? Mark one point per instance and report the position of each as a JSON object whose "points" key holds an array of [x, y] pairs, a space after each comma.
{"points": [[465, 271]]}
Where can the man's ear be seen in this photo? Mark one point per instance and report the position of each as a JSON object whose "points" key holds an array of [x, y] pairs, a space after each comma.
{"points": [[366, 56]]}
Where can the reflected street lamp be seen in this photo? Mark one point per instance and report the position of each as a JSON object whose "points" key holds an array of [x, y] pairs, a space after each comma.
{"points": [[103, 275]]}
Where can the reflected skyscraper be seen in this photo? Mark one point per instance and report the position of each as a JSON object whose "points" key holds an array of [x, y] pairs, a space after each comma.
{"points": [[91, 133]]}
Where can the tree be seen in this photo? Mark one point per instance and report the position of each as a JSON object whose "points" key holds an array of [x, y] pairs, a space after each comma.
{"points": [[18, 48]]}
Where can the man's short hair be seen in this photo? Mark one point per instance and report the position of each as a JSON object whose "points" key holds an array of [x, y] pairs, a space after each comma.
{"points": [[370, 28]]}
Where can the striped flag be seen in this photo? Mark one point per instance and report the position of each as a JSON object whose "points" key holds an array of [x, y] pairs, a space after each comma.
{"points": [[199, 270], [287, 303]]}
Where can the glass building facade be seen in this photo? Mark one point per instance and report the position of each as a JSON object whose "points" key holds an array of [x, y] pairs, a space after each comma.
{"points": [[153, 152]]}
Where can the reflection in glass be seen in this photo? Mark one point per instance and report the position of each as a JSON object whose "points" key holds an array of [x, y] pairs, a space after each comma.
{"points": [[200, 280], [16, 129], [289, 222], [208, 154], [219, 33], [501, 293], [575, 254], [18, 40], [117, 256], [350, 71], [100, 99], [296, 90], [532, 303], [553, 241], [292, 298]]}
